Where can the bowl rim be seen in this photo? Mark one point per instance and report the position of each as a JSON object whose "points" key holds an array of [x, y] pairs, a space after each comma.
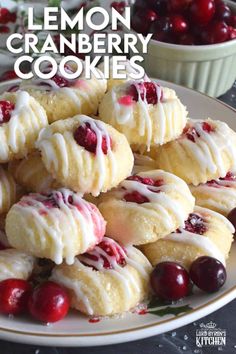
{"points": [[196, 48]]}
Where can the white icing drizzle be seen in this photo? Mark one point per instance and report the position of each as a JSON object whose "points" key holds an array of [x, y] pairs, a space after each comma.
{"points": [[15, 264], [79, 222], [207, 149], [201, 241], [60, 146], [124, 277], [160, 200]]}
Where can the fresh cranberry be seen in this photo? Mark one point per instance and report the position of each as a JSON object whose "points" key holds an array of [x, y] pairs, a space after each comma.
{"points": [[160, 6], [170, 281], [139, 5], [232, 21], [14, 295], [119, 6], [135, 197], [146, 90], [115, 254], [178, 6], [232, 217], [201, 11], [6, 108], [178, 24], [60, 81], [142, 20], [187, 39], [4, 29], [232, 33], [49, 302], [8, 75], [85, 136], [161, 27], [4, 15], [223, 12], [12, 17], [208, 273], [218, 32], [195, 224]]}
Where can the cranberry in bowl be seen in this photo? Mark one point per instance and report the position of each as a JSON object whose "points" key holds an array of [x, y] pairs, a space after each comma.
{"points": [[193, 42]]}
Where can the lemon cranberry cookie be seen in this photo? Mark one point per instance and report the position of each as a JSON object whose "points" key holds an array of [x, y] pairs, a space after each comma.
{"points": [[145, 112], [31, 174], [21, 119], [63, 98], [206, 150], [146, 207], [218, 195], [56, 226], [85, 154], [15, 264], [143, 163], [108, 280], [206, 233]]}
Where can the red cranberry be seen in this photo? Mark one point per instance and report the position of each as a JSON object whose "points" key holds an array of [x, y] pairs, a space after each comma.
{"points": [[4, 15], [143, 19], [232, 21], [60, 81], [49, 302], [135, 197], [232, 217], [218, 32], [85, 136], [178, 6], [139, 5], [208, 274], [6, 108], [14, 295], [119, 6], [161, 26], [8, 75], [195, 224], [201, 11], [223, 12], [147, 90], [114, 251], [178, 24], [232, 33], [208, 128], [4, 29], [170, 281], [12, 17], [187, 39]]}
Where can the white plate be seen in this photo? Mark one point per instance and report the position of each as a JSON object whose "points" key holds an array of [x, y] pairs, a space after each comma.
{"points": [[76, 330]]}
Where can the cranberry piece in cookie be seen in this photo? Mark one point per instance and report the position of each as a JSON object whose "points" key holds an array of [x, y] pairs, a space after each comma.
{"points": [[6, 108]]}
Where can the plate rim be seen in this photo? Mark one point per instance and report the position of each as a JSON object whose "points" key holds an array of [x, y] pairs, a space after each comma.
{"points": [[130, 334]]}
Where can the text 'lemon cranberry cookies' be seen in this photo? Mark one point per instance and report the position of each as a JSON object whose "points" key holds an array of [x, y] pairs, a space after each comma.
{"points": [[218, 195], [146, 207], [85, 155], [108, 280], [63, 98], [206, 150], [206, 233], [58, 226], [21, 119], [145, 112]]}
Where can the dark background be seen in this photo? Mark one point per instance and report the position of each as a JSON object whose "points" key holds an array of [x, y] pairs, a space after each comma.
{"points": [[175, 342]]}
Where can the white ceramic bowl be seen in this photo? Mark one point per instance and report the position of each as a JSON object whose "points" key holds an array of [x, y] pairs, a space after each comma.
{"points": [[207, 68]]}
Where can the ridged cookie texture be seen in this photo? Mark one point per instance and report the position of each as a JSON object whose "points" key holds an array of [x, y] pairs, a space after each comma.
{"points": [[205, 151], [144, 120], [206, 233], [18, 135], [85, 155], [15, 264], [57, 226], [143, 163], [8, 190], [31, 174], [63, 98], [107, 280], [218, 195], [146, 207]]}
